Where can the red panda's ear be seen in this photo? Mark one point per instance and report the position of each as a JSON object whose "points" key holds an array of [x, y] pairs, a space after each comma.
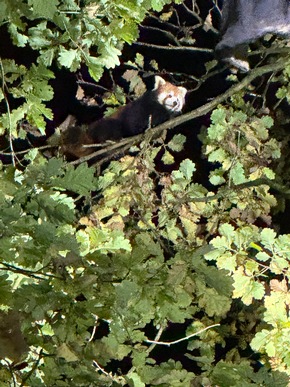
{"points": [[158, 82], [182, 90]]}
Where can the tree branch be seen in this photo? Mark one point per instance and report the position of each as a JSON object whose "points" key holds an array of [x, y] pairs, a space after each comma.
{"points": [[206, 108], [126, 143], [168, 343]]}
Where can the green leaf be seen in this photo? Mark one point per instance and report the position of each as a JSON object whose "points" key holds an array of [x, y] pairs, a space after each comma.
{"points": [[217, 155], [237, 173], [167, 158], [5, 289], [267, 121], [3, 11], [215, 304], [268, 237], [134, 380], [260, 340], [19, 40], [218, 116], [176, 144], [67, 58], [227, 230], [66, 353], [42, 8], [246, 288], [109, 56], [80, 180], [269, 173], [216, 178], [262, 256], [95, 68], [227, 261], [187, 167]]}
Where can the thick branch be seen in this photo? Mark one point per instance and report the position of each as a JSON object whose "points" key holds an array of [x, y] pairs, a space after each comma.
{"points": [[279, 65], [127, 142]]}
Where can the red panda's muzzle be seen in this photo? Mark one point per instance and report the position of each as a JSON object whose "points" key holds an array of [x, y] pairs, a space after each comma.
{"points": [[173, 103]]}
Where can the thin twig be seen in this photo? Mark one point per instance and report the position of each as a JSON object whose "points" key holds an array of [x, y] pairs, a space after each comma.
{"points": [[168, 34], [169, 343], [8, 112], [174, 48], [127, 142], [156, 340], [43, 147], [33, 369], [226, 191], [94, 329], [117, 379], [163, 22], [10, 367], [25, 272], [95, 363]]}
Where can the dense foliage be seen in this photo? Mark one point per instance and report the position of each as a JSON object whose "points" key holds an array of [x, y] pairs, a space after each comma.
{"points": [[140, 275]]}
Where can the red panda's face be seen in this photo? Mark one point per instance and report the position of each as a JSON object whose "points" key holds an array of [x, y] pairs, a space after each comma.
{"points": [[170, 96]]}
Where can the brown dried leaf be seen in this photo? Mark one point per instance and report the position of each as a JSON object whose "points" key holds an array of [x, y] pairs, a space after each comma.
{"points": [[279, 286]]}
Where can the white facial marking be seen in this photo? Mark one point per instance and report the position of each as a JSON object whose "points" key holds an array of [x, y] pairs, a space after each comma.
{"points": [[170, 96], [170, 101]]}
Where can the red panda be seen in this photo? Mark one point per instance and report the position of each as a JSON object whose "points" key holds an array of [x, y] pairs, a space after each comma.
{"points": [[152, 108]]}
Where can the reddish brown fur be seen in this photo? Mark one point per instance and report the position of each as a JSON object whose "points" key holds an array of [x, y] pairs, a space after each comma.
{"points": [[152, 108]]}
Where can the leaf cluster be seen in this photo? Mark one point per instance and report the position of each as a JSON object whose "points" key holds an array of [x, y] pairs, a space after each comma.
{"points": [[72, 33], [141, 261], [99, 272], [137, 260], [239, 141], [64, 34]]}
